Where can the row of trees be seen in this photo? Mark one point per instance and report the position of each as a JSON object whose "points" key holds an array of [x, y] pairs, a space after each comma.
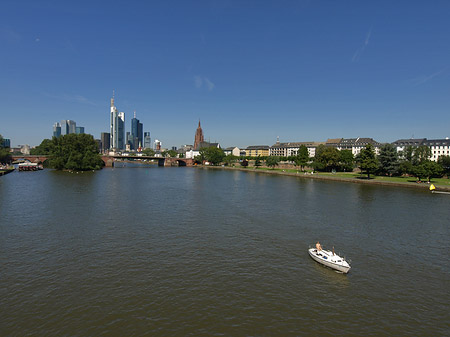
{"points": [[71, 152], [412, 161]]}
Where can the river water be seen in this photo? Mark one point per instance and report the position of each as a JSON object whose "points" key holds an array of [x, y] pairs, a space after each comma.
{"points": [[148, 251]]}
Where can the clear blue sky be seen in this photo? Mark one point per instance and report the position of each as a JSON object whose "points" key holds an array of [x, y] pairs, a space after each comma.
{"points": [[250, 70]]}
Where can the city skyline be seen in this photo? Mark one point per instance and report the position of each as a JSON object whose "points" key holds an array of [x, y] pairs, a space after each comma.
{"points": [[250, 71]]}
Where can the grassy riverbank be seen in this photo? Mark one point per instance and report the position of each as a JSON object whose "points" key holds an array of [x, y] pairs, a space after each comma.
{"points": [[352, 177]]}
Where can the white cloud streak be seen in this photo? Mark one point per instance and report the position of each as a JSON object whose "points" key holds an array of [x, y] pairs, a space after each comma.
{"points": [[199, 81], [358, 53], [210, 85], [72, 98], [423, 79]]}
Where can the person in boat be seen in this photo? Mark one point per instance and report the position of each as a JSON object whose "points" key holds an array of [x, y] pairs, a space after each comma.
{"points": [[318, 246]]}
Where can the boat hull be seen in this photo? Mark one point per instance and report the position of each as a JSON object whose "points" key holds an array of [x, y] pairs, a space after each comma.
{"points": [[330, 260]]}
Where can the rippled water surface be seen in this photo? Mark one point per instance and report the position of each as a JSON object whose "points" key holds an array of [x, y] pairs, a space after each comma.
{"points": [[189, 252]]}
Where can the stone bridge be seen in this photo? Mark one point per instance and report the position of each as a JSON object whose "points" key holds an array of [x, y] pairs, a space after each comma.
{"points": [[29, 157], [109, 160]]}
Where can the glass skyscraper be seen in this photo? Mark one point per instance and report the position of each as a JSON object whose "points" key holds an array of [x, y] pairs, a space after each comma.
{"points": [[136, 132], [147, 140], [56, 130], [117, 125]]}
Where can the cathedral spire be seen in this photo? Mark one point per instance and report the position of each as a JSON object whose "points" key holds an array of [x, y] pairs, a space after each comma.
{"points": [[198, 136]]}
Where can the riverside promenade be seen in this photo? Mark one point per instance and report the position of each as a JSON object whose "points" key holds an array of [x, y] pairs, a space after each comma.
{"points": [[329, 177]]}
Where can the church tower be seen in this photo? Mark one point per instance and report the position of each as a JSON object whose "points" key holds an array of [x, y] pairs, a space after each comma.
{"points": [[198, 136]]}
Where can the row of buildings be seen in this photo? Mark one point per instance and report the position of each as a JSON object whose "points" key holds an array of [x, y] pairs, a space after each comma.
{"points": [[438, 147]]}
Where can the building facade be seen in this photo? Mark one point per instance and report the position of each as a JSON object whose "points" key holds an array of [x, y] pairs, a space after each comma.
{"points": [[357, 144], [257, 150], [235, 151], [438, 147], [291, 148]]}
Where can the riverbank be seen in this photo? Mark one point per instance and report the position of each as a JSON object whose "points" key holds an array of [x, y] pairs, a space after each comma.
{"points": [[385, 181], [6, 171]]}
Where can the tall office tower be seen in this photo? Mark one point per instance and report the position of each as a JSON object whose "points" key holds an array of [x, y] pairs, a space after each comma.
{"points": [[121, 130], [6, 142], [56, 130], [140, 137], [130, 141], [198, 136], [117, 128], [68, 127], [136, 132], [105, 138], [79, 130], [147, 140]]}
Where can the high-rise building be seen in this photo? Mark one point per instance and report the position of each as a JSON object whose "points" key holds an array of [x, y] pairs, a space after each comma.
{"points": [[198, 136], [117, 126], [130, 141], [56, 130], [6, 143], [121, 130], [68, 127], [147, 140], [79, 130], [136, 132], [105, 138]]}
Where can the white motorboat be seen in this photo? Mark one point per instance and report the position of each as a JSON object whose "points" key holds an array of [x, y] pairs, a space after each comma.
{"points": [[329, 259]]}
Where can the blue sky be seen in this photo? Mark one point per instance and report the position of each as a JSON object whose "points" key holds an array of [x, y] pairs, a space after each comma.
{"points": [[250, 70]]}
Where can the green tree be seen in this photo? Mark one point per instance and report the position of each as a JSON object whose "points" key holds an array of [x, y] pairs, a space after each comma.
{"points": [[346, 160], [388, 159], [171, 153], [326, 158], [212, 154], [444, 161], [272, 161], [258, 162], [75, 152], [5, 155], [148, 152], [302, 157], [421, 154], [406, 154], [230, 159], [367, 160], [427, 169], [43, 149]]}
